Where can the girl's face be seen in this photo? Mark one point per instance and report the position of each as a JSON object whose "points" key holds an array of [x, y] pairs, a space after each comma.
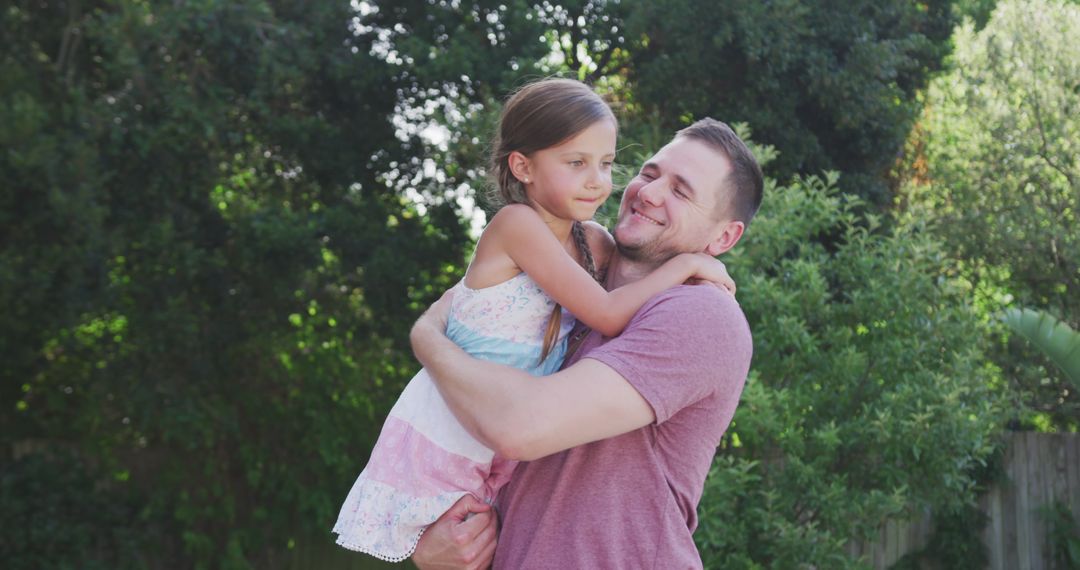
{"points": [[570, 180]]}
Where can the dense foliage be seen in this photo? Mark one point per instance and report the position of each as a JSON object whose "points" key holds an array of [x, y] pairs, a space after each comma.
{"points": [[996, 175], [207, 270], [56, 514], [832, 85], [868, 398], [218, 220]]}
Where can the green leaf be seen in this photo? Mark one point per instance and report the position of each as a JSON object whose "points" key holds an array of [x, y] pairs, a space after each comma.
{"points": [[1057, 339]]}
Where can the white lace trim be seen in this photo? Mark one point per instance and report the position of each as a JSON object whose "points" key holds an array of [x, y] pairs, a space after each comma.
{"points": [[386, 522], [355, 547]]}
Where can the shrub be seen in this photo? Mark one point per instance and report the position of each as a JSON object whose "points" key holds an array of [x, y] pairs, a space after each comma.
{"points": [[869, 396], [57, 514]]}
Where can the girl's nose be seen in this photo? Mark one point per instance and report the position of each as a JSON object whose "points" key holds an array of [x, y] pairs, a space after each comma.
{"points": [[596, 178]]}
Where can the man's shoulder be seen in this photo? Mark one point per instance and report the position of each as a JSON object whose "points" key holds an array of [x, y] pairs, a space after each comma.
{"points": [[707, 302], [685, 344]]}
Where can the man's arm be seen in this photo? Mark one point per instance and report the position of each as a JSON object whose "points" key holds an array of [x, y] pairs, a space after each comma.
{"points": [[521, 416]]}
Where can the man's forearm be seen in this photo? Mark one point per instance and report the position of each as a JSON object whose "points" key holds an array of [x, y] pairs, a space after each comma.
{"points": [[485, 397], [518, 415]]}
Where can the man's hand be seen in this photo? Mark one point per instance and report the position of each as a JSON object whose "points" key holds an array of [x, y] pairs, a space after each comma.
{"points": [[457, 540]]}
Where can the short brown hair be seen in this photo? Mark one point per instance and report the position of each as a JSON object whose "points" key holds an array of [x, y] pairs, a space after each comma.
{"points": [[745, 180]]}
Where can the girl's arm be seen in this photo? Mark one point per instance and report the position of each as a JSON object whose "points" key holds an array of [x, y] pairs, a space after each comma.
{"points": [[524, 237]]}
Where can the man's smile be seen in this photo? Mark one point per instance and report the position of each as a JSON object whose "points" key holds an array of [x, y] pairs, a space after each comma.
{"points": [[638, 213]]}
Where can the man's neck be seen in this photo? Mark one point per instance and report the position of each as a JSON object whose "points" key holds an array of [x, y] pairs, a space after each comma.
{"points": [[622, 270]]}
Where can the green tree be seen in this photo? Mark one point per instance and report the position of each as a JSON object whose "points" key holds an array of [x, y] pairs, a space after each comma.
{"points": [[458, 61], [832, 85], [209, 266], [995, 175], [977, 10]]}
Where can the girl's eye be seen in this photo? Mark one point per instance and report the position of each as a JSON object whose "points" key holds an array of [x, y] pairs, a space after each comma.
{"points": [[576, 163], [608, 164]]}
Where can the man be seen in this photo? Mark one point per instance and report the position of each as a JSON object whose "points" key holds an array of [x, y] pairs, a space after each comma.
{"points": [[618, 443]]}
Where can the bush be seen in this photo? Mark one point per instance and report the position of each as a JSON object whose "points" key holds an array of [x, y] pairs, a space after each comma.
{"points": [[869, 396], [57, 514]]}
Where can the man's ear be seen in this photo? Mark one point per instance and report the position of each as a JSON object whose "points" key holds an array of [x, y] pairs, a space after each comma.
{"points": [[726, 238], [520, 166]]}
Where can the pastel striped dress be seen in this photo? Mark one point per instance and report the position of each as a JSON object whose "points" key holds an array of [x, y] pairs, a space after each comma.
{"points": [[424, 460]]}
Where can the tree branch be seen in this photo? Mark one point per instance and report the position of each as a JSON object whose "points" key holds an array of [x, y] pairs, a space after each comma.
{"points": [[1044, 153], [575, 39], [601, 65]]}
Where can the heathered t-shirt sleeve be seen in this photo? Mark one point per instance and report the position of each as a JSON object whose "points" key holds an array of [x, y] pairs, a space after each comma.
{"points": [[683, 345]]}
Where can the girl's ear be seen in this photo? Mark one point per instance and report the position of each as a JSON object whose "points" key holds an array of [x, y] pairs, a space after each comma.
{"points": [[520, 167]]}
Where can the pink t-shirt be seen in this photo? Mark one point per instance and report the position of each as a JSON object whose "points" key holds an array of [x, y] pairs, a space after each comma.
{"points": [[631, 501]]}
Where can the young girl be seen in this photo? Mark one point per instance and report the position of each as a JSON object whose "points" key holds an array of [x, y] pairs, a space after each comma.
{"points": [[552, 162]]}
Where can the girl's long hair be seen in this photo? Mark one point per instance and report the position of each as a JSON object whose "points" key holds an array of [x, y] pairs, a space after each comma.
{"points": [[541, 115]]}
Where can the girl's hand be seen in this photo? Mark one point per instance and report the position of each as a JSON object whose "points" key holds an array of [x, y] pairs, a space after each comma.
{"points": [[708, 269]]}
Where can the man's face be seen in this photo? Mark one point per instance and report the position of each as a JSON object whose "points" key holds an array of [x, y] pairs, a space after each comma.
{"points": [[670, 207]]}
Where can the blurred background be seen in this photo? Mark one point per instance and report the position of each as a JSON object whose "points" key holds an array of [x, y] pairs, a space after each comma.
{"points": [[220, 218]]}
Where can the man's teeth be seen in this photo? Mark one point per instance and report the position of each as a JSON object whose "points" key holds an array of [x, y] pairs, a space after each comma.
{"points": [[647, 218]]}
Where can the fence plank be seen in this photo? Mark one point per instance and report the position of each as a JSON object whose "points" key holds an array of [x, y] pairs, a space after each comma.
{"points": [[1072, 463], [1061, 473], [1023, 491], [994, 532], [1041, 470], [1036, 497], [1008, 538], [1038, 469]]}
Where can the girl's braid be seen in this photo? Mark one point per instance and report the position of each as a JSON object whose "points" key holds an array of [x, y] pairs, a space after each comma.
{"points": [[581, 242], [578, 232]]}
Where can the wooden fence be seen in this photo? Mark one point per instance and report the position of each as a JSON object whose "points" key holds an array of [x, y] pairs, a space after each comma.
{"points": [[1040, 469], [895, 539]]}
